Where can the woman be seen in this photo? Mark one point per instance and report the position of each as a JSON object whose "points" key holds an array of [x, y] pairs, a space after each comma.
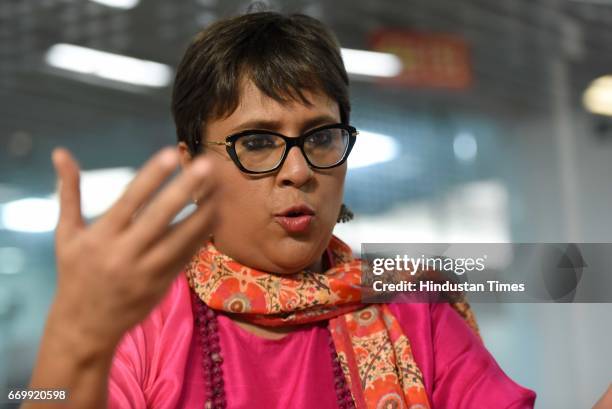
{"points": [[267, 313]]}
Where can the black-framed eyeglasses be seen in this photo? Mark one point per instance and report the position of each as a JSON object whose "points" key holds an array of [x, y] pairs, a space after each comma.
{"points": [[258, 151]]}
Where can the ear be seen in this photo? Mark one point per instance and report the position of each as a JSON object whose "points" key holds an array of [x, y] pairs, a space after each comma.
{"points": [[184, 154], [184, 159]]}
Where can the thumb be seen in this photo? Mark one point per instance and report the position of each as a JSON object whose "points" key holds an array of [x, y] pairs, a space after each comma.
{"points": [[67, 170]]}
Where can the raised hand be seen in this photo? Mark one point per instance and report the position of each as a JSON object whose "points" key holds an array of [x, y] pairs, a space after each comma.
{"points": [[114, 271]]}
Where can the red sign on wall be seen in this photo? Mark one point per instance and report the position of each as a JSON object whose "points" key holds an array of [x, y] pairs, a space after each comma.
{"points": [[429, 59]]}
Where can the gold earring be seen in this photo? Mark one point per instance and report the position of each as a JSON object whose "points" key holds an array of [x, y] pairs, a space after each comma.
{"points": [[345, 214]]}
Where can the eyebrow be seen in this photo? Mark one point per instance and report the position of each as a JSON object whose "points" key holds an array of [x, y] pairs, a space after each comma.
{"points": [[273, 125]]}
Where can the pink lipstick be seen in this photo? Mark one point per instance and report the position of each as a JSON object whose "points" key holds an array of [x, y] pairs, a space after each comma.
{"points": [[295, 219]]}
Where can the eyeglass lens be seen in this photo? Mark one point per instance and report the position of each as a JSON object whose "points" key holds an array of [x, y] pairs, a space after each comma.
{"points": [[260, 152]]}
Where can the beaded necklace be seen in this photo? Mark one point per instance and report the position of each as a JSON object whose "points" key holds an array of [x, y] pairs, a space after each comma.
{"points": [[212, 359]]}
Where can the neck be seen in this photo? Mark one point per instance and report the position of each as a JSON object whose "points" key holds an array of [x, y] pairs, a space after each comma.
{"points": [[316, 267], [321, 265]]}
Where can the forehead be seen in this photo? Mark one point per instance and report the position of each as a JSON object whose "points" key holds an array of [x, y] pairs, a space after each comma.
{"points": [[254, 104], [256, 110]]}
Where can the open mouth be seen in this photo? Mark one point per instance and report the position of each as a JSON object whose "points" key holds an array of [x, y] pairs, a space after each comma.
{"points": [[296, 219], [295, 214], [297, 211]]}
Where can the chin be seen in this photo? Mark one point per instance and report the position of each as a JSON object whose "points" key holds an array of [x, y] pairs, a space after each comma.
{"points": [[290, 265], [296, 253]]}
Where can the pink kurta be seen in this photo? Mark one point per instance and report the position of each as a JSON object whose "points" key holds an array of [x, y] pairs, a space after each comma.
{"points": [[158, 363]]}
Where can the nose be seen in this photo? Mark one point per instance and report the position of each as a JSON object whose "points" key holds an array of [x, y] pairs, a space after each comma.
{"points": [[295, 170]]}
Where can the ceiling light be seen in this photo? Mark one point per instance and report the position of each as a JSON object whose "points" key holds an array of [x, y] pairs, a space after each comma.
{"points": [[598, 96], [109, 66], [100, 189], [372, 148], [120, 4], [371, 63], [30, 215]]}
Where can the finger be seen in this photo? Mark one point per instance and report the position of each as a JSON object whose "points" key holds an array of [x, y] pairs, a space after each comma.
{"points": [[170, 255], [141, 188], [67, 171], [154, 219]]}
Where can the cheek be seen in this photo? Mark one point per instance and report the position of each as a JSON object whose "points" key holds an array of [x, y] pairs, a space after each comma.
{"points": [[243, 198], [333, 193]]}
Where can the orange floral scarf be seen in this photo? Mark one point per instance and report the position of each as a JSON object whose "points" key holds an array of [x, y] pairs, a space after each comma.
{"points": [[374, 353]]}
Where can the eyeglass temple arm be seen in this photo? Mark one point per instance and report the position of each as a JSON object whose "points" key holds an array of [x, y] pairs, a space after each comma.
{"points": [[216, 143]]}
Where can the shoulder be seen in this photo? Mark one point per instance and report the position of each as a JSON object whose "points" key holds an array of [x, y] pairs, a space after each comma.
{"points": [[458, 370], [424, 321], [174, 308], [160, 341], [174, 305], [434, 319]]}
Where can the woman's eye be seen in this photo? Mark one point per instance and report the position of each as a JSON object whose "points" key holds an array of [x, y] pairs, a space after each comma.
{"points": [[322, 138], [258, 142]]}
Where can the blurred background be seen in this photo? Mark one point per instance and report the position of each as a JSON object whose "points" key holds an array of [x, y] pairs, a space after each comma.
{"points": [[480, 120]]}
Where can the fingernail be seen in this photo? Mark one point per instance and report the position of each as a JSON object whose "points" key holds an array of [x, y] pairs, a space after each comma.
{"points": [[54, 155], [201, 167], [168, 157]]}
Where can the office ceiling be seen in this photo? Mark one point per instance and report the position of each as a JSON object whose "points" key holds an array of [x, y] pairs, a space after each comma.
{"points": [[513, 45]]}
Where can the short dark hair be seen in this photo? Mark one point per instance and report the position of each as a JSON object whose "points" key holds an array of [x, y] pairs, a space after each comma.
{"points": [[283, 55]]}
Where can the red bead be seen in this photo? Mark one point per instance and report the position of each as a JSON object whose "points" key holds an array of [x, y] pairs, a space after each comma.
{"points": [[216, 357]]}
